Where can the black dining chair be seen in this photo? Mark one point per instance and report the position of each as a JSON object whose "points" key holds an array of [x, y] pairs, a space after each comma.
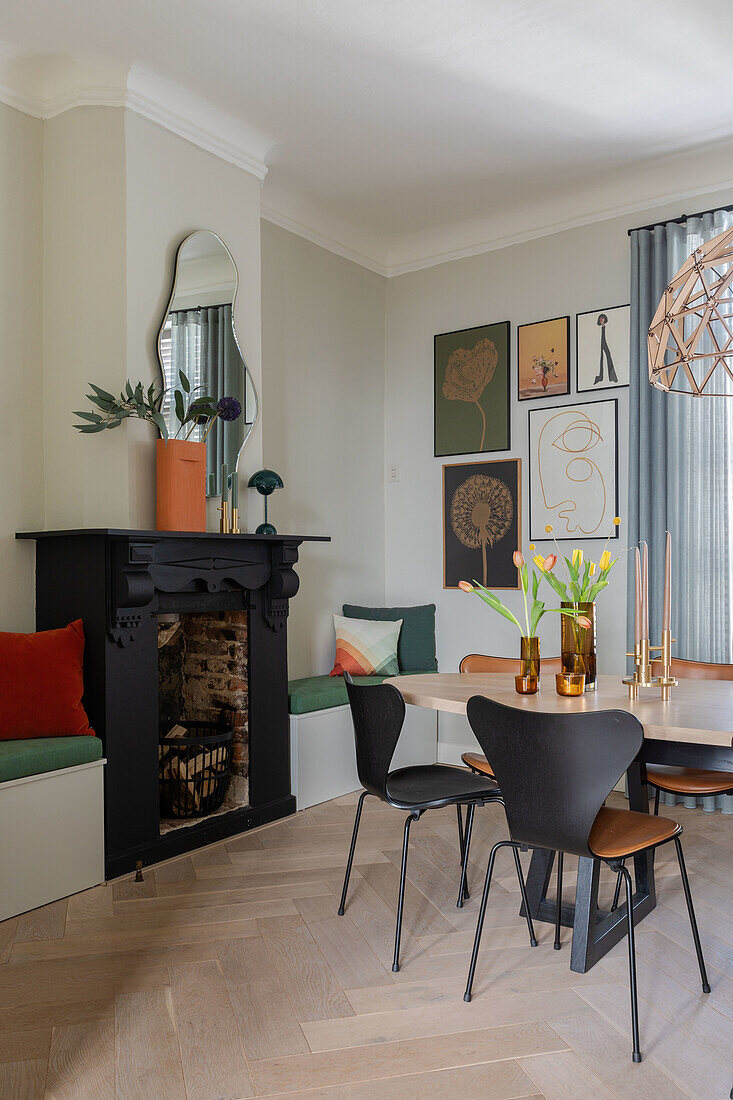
{"points": [[555, 772], [378, 713]]}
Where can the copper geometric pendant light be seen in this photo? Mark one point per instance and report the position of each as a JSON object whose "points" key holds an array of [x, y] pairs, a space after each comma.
{"points": [[690, 340]]}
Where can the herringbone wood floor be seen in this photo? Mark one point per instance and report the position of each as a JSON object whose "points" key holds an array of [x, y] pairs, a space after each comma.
{"points": [[228, 974]]}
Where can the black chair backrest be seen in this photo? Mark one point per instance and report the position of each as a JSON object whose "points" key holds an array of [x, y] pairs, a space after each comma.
{"points": [[378, 712], [554, 770]]}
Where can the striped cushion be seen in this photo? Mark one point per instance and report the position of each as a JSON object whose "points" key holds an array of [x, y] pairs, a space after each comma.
{"points": [[366, 647]]}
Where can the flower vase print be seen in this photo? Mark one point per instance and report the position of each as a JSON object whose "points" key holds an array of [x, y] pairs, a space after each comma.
{"points": [[543, 358], [481, 522], [573, 477], [472, 390]]}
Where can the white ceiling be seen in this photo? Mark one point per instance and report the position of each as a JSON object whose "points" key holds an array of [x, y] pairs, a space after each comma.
{"points": [[405, 131]]}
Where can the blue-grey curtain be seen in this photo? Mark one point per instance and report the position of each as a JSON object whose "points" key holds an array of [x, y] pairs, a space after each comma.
{"points": [[680, 471], [204, 348]]}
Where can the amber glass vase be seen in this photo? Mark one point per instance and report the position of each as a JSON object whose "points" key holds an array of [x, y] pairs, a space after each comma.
{"points": [[578, 644], [528, 680]]}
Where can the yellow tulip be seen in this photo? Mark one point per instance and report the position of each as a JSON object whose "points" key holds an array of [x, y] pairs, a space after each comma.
{"points": [[605, 560], [592, 569], [539, 562], [577, 558]]}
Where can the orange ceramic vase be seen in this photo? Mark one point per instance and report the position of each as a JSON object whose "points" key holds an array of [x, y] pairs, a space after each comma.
{"points": [[180, 485]]}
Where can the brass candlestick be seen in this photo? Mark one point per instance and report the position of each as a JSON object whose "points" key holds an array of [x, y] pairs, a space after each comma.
{"points": [[234, 526], [666, 680], [224, 521], [642, 674]]}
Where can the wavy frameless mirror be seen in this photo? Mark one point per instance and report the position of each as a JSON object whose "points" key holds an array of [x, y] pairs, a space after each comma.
{"points": [[198, 337]]}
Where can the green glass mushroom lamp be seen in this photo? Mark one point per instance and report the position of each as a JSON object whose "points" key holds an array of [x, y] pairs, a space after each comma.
{"points": [[265, 482]]}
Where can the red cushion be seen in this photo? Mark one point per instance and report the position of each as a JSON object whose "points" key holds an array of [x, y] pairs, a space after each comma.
{"points": [[41, 684]]}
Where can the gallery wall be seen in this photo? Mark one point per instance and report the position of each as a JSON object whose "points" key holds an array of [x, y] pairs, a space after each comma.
{"points": [[323, 402], [582, 269]]}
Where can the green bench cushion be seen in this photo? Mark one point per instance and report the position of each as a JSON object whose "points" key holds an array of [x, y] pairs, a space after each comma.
{"points": [[321, 692], [32, 756]]}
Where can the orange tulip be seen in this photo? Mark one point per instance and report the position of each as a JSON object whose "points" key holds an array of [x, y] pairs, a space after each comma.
{"points": [[550, 562], [584, 622], [465, 586], [518, 558]]}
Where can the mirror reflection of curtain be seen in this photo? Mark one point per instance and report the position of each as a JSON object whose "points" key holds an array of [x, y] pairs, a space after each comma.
{"points": [[204, 348]]}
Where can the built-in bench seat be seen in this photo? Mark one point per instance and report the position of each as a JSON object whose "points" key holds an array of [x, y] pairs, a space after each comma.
{"points": [[52, 819]]}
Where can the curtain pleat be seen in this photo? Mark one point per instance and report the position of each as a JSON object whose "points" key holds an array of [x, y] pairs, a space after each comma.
{"points": [[680, 477]]}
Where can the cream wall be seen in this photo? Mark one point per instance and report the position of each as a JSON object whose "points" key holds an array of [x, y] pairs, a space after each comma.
{"points": [[323, 401], [21, 438], [581, 269], [84, 331]]}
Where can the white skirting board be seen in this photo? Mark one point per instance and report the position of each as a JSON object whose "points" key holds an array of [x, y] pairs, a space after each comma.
{"points": [[52, 827], [323, 758]]}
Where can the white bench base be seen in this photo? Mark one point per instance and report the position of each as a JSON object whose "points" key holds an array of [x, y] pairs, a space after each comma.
{"points": [[323, 758], [52, 827]]}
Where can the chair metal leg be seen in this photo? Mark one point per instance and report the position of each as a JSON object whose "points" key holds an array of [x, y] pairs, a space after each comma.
{"points": [[616, 893], [558, 906], [636, 1056], [352, 849], [481, 915], [525, 902], [462, 846], [401, 901], [693, 919], [656, 801], [462, 890]]}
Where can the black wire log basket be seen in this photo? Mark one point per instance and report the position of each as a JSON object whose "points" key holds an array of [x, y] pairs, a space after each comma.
{"points": [[195, 766]]}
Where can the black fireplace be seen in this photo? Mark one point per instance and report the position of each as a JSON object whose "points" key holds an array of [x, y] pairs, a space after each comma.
{"points": [[124, 585]]}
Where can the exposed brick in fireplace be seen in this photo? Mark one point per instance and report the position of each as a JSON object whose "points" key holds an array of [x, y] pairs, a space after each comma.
{"points": [[202, 666]]}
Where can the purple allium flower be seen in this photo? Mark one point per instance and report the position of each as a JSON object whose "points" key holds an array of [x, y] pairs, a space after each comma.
{"points": [[229, 408]]}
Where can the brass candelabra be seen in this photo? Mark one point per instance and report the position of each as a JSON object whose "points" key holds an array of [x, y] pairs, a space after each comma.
{"points": [[642, 674]]}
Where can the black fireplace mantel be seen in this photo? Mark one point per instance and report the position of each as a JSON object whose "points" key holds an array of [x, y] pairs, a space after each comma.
{"points": [[118, 582]]}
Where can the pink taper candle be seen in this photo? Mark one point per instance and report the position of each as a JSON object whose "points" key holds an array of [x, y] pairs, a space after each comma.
{"points": [[667, 612], [645, 591], [637, 601]]}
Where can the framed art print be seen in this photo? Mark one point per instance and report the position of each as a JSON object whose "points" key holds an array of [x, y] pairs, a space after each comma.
{"points": [[482, 522], [543, 358], [471, 377], [573, 470], [602, 349]]}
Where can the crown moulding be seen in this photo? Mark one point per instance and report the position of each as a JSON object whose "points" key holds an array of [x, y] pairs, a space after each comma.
{"points": [[47, 89]]}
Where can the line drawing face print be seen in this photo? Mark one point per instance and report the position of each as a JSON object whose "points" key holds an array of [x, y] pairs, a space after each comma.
{"points": [[572, 484]]}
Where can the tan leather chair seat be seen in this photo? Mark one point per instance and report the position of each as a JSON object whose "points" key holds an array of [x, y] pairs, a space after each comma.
{"points": [[619, 833], [477, 762], [690, 781]]}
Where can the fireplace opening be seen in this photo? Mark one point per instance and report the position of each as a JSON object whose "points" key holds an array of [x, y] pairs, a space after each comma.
{"points": [[202, 678]]}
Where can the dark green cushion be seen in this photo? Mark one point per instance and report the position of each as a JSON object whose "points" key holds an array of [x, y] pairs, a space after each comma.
{"points": [[34, 755], [416, 645], [321, 692]]}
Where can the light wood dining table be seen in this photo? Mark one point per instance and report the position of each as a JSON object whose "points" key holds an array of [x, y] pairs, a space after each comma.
{"points": [[692, 729]]}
